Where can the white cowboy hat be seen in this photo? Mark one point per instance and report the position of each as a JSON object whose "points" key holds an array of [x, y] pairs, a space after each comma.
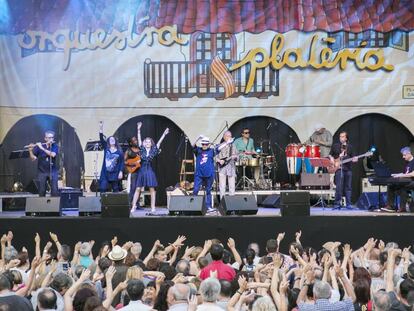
{"points": [[205, 140], [117, 253]]}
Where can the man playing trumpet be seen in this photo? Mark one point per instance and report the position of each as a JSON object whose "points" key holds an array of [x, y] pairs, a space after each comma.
{"points": [[47, 165]]}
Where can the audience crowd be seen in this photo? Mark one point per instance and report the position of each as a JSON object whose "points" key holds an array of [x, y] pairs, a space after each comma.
{"points": [[215, 276]]}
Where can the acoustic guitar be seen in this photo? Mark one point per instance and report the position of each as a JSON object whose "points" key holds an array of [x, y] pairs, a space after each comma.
{"points": [[338, 162], [133, 164]]}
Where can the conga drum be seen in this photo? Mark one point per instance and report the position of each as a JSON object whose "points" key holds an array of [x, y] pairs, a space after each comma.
{"points": [[311, 151], [293, 159]]}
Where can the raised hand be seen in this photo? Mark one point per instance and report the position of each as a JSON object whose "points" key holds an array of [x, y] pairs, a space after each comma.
{"points": [[3, 239], [242, 283], [277, 261], [110, 273], [231, 244], [139, 125], [53, 236], [37, 238], [180, 240], [48, 245], [298, 236], [280, 237], [207, 244], [85, 275], [167, 130]]}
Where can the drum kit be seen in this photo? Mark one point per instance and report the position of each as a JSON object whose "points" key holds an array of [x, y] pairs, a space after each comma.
{"points": [[262, 161]]}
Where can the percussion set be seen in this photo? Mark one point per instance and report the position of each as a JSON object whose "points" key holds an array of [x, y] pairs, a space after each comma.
{"points": [[298, 158], [261, 161]]}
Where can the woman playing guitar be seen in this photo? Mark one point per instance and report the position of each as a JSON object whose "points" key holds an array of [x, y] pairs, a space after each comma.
{"points": [[132, 160]]}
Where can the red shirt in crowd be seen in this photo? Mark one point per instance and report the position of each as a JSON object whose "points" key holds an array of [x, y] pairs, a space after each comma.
{"points": [[224, 271]]}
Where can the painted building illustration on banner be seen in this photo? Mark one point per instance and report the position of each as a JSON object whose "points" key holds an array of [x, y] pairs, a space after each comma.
{"points": [[204, 64]]}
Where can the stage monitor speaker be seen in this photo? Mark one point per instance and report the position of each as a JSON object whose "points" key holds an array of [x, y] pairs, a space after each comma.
{"points": [[272, 201], [369, 200], [115, 205], [43, 206], [189, 205], [89, 206], [69, 198], [315, 181], [295, 203], [238, 205]]}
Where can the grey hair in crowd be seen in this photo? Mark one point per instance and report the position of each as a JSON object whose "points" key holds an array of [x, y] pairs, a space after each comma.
{"points": [[210, 290], [381, 301], [85, 249], [180, 292], [264, 304], [405, 150], [136, 248], [322, 290]]}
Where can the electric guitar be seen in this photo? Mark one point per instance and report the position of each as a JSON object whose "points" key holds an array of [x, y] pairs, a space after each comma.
{"points": [[133, 164], [338, 162]]}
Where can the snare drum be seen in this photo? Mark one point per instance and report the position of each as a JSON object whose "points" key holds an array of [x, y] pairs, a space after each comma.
{"points": [[292, 150]]}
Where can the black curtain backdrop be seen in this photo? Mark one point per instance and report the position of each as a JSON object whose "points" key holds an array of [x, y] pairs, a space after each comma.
{"points": [[168, 163], [31, 130], [385, 133], [274, 136]]}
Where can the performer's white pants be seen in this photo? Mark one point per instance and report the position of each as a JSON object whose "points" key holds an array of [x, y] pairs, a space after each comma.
{"points": [[222, 184]]}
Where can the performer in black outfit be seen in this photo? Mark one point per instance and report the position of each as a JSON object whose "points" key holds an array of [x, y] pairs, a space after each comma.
{"points": [[401, 190], [47, 164], [343, 176], [113, 163]]}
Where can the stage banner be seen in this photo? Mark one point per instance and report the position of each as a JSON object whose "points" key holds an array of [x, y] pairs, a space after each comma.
{"points": [[204, 64]]}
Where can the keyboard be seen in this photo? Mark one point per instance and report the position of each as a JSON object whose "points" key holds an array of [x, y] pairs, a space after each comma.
{"points": [[386, 181]]}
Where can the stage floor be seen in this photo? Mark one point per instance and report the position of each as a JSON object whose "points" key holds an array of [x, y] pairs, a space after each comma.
{"points": [[262, 212]]}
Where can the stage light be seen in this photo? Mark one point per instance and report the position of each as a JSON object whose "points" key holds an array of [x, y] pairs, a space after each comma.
{"points": [[258, 150], [4, 15], [373, 149]]}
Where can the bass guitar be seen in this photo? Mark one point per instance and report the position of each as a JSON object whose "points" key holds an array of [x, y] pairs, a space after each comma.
{"points": [[338, 162], [133, 164]]}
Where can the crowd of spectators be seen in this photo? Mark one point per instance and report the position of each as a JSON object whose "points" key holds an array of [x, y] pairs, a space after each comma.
{"points": [[215, 276]]}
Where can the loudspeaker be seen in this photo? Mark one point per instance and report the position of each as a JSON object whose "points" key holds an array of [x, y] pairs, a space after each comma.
{"points": [[43, 206], [295, 203], [238, 205], [272, 200], [69, 198], [187, 205], [115, 205], [369, 200], [315, 181], [89, 206]]}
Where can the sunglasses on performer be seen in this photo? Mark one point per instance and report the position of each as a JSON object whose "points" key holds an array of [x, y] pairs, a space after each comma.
{"points": [[246, 132], [204, 144]]}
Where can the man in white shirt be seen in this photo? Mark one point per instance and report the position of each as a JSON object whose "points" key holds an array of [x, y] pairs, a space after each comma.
{"points": [[177, 297], [135, 290]]}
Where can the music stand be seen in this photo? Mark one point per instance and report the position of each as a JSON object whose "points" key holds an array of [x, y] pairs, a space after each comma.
{"points": [[325, 163], [19, 154], [94, 145]]}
